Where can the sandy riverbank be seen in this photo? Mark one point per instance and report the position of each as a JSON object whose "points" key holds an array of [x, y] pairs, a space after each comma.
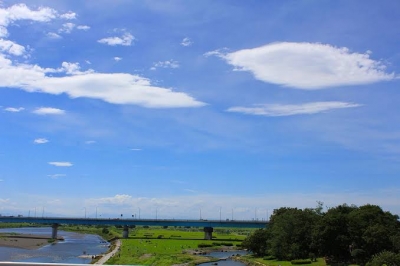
{"points": [[24, 241]]}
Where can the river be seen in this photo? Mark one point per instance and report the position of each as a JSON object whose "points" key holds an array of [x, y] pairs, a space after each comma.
{"points": [[227, 255], [67, 251]]}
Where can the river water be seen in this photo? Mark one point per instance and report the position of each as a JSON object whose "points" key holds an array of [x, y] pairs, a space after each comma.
{"points": [[225, 255], [67, 251]]}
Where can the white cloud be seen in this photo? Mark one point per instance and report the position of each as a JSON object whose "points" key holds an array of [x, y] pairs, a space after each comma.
{"points": [[69, 15], [125, 40], [306, 65], [48, 111], [4, 201], [40, 141], [11, 47], [22, 12], [14, 109], [56, 176], [53, 35], [136, 149], [243, 207], [116, 88], [291, 109], [165, 64], [67, 27], [72, 69], [186, 42], [83, 27], [117, 58], [119, 199], [90, 142], [61, 164]]}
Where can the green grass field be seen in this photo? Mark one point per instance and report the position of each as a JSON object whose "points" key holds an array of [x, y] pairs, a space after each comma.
{"points": [[158, 246]]}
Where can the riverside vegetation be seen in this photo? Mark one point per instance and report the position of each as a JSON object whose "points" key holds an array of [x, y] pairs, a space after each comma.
{"points": [[341, 235]]}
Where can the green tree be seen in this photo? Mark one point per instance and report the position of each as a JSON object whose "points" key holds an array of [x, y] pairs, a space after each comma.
{"points": [[257, 242], [371, 229], [291, 233], [385, 258], [332, 236]]}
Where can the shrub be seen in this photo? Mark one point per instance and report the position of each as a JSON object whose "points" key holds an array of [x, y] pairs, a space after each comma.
{"points": [[204, 245], [385, 257]]}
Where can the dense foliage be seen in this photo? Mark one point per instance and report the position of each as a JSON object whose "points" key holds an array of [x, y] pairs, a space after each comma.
{"points": [[341, 234]]}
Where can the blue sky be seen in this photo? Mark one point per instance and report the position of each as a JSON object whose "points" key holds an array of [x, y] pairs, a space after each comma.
{"points": [[182, 107]]}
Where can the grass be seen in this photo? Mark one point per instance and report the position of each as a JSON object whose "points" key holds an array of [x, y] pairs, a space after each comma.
{"points": [[155, 246]]}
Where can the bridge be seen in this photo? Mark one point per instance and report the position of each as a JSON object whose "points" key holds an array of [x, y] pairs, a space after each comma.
{"points": [[208, 225]]}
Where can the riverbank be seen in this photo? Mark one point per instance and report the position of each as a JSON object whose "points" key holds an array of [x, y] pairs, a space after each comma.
{"points": [[25, 241]]}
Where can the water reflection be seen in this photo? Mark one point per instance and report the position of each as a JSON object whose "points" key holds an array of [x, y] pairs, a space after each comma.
{"points": [[67, 251]]}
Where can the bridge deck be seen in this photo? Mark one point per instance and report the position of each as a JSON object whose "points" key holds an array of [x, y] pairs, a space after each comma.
{"points": [[139, 222]]}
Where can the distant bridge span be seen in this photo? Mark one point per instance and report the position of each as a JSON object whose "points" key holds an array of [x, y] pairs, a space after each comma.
{"points": [[207, 224]]}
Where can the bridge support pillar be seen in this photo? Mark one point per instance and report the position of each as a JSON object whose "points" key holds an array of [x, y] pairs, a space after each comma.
{"points": [[208, 233], [125, 232], [54, 228]]}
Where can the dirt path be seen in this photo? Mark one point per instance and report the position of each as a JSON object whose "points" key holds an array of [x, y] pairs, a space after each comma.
{"points": [[110, 254]]}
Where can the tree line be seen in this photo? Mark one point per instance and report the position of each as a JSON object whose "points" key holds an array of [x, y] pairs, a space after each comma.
{"points": [[343, 234]]}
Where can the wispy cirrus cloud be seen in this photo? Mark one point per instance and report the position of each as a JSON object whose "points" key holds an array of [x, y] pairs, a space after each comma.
{"points": [[56, 176], [306, 65], [14, 109], [186, 42], [165, 64], [61, 164], [69, 15], [125, 40], [40, 141], [48, 111], [83, 27], [4, 200], [291, 109], [67, 28], [53, 35]]}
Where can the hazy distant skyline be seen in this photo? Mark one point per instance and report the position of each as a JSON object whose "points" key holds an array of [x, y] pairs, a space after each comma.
{"points": [[181, 107]]}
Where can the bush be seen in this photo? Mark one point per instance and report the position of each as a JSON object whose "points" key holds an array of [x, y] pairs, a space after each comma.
{"points": [[269, 257], [385, 257], [298, 262], [105, 231], [204, 245]]}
